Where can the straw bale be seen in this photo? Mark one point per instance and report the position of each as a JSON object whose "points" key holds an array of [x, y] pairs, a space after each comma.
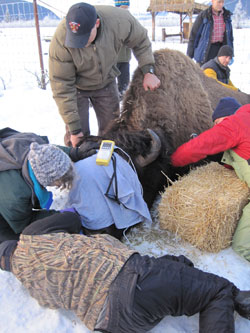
{"points": [[204, 206]]}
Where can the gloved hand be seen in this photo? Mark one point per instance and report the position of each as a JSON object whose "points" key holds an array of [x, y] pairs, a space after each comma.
{"points": [[86, 149]]}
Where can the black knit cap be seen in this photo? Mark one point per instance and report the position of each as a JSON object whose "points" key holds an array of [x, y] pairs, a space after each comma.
{"points": [[227, 106], [225, 50]]}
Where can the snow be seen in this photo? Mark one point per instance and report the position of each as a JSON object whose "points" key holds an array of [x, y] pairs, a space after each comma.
{"points": [[25, 107]]}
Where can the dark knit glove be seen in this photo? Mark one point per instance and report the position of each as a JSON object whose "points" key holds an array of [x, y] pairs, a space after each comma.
{"points": [[85, 150]]}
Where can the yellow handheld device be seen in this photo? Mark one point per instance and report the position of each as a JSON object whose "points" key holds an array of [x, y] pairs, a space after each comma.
{"points": [[105, 152]]}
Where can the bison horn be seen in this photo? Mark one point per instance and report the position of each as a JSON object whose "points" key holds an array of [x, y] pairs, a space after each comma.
{"points": [[154, 151]]}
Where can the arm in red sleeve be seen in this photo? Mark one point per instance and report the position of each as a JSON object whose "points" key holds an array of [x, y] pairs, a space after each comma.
{"points": [[221, 137]]}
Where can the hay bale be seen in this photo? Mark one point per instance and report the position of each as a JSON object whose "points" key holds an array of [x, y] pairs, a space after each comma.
{"points": [[204, 206]]}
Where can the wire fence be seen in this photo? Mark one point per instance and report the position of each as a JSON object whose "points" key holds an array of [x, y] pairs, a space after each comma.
{"points": [[20, 50], [20, 58]]}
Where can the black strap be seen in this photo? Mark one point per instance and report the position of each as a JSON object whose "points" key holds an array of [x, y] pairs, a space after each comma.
{"points": [[114, 177]]}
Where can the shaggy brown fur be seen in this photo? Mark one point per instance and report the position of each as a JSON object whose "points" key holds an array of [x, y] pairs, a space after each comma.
{"points": [[182, 105]]}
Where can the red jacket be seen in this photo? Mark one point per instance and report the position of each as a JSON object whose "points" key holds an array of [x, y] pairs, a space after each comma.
{"points": [[232, 133]]}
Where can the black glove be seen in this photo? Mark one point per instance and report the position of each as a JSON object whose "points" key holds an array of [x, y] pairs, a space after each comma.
{"points": [[85, 150]]}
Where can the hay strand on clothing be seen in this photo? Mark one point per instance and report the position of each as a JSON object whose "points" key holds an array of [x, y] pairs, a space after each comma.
{"points": [[204, 206]]}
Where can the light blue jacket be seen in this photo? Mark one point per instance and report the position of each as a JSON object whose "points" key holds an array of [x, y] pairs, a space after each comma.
{"points": [[98, 211]]}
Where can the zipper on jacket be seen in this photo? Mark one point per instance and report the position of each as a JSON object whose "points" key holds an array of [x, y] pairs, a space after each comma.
{"points": [[99, 63]]}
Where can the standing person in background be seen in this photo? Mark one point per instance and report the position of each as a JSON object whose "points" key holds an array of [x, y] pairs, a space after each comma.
{"points": [[82, 64], [218, 69], [212, 29], [124, 57]]}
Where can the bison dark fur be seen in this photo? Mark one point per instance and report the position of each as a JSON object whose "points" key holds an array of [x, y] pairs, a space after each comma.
{"points": [[139, 142], [135, 143], [181, 106]]}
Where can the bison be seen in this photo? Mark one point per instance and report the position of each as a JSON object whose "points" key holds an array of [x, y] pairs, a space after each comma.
{"points": [[181, 106], [149, 153]]}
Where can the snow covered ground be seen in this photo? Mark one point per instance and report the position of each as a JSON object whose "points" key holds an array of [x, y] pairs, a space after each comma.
{"points": [[25, 107]]}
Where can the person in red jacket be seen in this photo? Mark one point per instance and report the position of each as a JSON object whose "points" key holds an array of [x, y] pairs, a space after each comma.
{"points": [[230, 135]]}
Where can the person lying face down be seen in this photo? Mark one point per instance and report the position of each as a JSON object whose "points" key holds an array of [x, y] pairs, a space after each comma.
{"points": [[108, 198], [112, 288]]}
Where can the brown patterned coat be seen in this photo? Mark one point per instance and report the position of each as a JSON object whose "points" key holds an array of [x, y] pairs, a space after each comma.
{"points": [[72, 272]]}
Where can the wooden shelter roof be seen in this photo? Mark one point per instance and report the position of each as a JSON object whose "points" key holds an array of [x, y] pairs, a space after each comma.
{"points": [[176, 6]]}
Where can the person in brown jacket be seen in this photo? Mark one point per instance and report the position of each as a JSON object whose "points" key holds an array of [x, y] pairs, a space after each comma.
{"points": [[82, 64], [110, 287]]}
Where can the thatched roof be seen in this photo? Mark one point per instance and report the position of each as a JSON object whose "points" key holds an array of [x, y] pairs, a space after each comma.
{"points": [[176, 6]]}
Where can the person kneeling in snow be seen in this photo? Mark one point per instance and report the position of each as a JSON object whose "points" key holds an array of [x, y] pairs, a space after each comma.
{"points": [[218, 68], [112, 288], [108, 198], [230, 135], [23, 198]]}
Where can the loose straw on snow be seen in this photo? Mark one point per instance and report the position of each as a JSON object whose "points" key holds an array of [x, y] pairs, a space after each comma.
{"points": [[204, 206]]}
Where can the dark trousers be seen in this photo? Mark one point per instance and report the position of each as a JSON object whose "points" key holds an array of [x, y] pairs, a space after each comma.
{"points": [[123, 78], [213, 51], [111, 230], [175, 288], [6, 232], [105, 102], [66, 222], [59, 222]]}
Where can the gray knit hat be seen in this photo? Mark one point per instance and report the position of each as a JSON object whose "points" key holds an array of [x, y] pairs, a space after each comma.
{"points": [[49, 163]]}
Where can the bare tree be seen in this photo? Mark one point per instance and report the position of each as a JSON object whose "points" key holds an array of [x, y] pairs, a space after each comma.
{"points": [[239, 16], [42, 81]]}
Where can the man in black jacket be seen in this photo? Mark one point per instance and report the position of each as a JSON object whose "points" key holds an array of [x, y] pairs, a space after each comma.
{"points": [[130, 293], [212, 29]]}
